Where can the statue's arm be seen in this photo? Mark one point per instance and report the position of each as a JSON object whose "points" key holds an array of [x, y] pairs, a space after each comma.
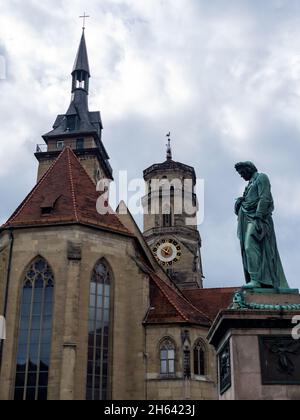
{"points": [[238, 204], [265, 196]]}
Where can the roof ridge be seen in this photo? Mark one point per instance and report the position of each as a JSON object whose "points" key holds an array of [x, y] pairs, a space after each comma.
{"points": [[213, 288], [180, 294], [168, 298], [91, 181], [35, 189], [68, 176], [198, 310], [72, 184]]}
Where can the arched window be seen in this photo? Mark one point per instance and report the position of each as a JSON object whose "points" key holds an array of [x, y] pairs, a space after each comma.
{"points": [[99, 326], [167, 357], [34, 339], [200, 358]]}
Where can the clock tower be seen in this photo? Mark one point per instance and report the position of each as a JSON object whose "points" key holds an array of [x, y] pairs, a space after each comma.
{"points": [[170, 220]]}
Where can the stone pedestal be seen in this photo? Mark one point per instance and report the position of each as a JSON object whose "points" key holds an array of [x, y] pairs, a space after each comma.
{"points": [[258, 355]]}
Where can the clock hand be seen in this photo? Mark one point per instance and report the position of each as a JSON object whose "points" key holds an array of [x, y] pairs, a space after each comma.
{"points": [[167, 251]]}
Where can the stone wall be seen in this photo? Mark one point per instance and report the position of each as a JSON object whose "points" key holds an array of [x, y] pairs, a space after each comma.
{"points": [[176, 388], [67, 377], [89, 162]]}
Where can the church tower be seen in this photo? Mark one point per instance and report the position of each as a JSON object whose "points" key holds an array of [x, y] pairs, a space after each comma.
{"points": [[78, 128], [170, 221]]}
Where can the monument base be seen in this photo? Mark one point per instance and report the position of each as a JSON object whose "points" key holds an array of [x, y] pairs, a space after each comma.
{"points": [[272, 291], [258, 350]]}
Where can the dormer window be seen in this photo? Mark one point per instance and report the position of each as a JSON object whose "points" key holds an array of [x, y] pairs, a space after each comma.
{"points": [[48, 205], [46, 211], [71, 122]]}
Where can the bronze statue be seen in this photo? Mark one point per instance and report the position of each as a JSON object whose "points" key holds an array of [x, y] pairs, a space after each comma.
{"points": [[261, 260]]}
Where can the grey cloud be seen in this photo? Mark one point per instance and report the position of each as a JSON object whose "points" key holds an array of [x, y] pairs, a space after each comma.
{"points": [[223, 76]]}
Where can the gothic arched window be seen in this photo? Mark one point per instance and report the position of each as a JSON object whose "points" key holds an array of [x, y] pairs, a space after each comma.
{"points": [[99, 326], [35, 330], [167, 357], [200, 358]]}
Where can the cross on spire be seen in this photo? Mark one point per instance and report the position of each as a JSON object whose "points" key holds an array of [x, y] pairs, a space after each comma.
{"points": [[84, 17]]}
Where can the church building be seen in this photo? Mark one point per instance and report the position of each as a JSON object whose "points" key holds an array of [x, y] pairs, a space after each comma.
{"points": [[95, 309]]}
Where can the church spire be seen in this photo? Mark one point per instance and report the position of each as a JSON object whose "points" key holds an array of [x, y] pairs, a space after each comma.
{"points": [[169, 149], [81, 70], [79, 128]]}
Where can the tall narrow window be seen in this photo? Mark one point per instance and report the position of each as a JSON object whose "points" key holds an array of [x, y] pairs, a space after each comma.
{"points": [[79, 144], [167, 358], [34, 340], [167, 216], [200, 359], [187, 364], [99, 325], [167, 220]]}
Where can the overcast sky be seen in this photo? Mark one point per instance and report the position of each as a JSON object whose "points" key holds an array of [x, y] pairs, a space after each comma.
{"points": [[222, 75]]}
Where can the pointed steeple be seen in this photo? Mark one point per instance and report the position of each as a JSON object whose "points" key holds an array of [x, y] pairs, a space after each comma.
{"points": [[79, 123], [82, 60], [81, 70]]}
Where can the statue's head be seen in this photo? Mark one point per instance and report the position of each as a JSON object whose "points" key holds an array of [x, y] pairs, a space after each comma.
{"points": [[246, 170]]}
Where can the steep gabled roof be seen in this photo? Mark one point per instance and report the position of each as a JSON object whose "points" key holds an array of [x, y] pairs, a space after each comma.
{"points": [[64, 194], [168, 305]]}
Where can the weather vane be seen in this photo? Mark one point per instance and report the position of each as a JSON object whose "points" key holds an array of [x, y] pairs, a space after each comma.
{"points": [[169, 150], [84, 17]]}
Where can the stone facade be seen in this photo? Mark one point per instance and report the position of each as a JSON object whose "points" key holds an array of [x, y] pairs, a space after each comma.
{"points": [[68, 367], [178, 388], [88, 158], [243, 331], [182, 226]]}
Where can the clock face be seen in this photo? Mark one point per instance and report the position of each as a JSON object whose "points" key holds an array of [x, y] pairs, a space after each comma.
{"points": [[167, 252]]}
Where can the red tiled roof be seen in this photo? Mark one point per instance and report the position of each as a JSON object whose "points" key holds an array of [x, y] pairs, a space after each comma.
{"points": [[67, 187], [168, 305], [211, 301]]}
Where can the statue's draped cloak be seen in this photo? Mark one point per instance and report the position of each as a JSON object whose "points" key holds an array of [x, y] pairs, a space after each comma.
{"points": [[258, 241]]}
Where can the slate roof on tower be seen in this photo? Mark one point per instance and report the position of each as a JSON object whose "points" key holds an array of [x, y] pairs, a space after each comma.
{"points": [[64, 194], [169, 165], [82, 60], [78, 121]]}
